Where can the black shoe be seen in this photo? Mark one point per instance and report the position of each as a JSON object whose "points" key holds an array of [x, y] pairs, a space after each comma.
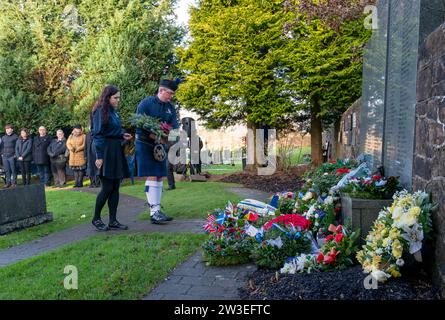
{"points": [[100, 226], [166, 217], [171, 188], [158, 218], [117, 225], [8, 185]]}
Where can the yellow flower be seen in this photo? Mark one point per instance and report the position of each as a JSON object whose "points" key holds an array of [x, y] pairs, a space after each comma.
{"points": [[386, 242], [367, 266], [394, 233], [393, 206], [360, 256], [376, 260], [406, 202], [397, 249], [394, 271], [414, 211]]}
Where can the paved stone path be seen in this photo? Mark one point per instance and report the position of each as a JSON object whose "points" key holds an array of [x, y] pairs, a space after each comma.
{"points": [[193, 280]]}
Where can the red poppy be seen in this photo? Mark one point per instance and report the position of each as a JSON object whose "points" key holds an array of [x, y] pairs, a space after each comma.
{"points": [[329, 237], [320, 258], [339, 237], [342, 171], [253, 217], [289, 219], [329, 259]]}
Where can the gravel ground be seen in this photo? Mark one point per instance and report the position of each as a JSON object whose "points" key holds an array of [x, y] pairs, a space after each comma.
{"points": [[337, 285]]}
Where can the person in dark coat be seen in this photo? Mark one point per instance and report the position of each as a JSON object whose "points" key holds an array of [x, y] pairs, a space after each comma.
{"points": [[108, 137], [40, 155], [154, 171], [56, 151], [23, 153], [92, 171], [7, 149]]}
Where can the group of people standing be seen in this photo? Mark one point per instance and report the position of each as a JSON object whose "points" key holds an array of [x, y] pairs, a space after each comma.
{"points": [[51, 156]]}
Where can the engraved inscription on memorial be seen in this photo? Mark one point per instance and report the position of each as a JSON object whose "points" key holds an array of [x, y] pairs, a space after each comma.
{"points": [[374, 74], [401, 96]]}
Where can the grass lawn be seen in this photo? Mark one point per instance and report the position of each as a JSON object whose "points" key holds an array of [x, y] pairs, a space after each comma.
{"points": [[222, 168], [67, 208], [109, 267], [297, 154], [189, 199]]}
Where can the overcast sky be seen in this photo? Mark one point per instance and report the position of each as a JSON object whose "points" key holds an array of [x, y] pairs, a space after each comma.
{"points": [[181, 10]]}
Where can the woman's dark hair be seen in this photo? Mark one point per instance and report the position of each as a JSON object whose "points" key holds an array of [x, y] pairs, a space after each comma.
{"points": [[104, 101], [26, 130]]}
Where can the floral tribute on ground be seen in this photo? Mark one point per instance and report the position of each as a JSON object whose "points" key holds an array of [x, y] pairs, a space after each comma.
{"points": [[398, 233], [302, 232]]}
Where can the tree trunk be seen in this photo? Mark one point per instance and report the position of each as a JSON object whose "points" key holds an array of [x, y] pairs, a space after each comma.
{"points": [[251, 167], [316, 139]]}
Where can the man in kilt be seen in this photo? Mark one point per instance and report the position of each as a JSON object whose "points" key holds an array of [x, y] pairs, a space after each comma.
{"points": [[157, 106]]}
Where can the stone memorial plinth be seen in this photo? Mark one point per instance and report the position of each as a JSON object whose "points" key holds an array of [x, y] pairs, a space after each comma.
{"points": [[362, 212], [22, 207]]}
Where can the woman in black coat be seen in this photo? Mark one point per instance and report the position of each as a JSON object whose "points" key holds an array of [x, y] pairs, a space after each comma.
{"points": [[23, 153], [108, 137]]}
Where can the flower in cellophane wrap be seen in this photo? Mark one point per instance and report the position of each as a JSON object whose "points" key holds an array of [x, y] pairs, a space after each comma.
{"points": [[397, 233]]}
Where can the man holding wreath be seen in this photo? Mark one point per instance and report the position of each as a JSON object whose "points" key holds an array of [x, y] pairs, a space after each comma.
{"points": [[149, 159]]}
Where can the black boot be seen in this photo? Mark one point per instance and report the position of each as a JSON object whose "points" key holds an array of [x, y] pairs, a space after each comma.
{"points": [[117, 225], [80, 179], [100, 226], [76, 179], [114, 224]]}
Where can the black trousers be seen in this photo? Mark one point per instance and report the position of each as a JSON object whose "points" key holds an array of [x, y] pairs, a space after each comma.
{"points": [[78, 178], [58, 170], [109, 192], [170, 176], [25, 169]]}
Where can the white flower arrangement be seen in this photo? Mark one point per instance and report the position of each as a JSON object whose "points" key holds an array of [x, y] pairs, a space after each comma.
{"points": [[302, 263]]}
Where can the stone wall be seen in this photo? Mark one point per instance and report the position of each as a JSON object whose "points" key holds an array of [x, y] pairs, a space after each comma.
{"points": [[429, 149], [349, 135]]}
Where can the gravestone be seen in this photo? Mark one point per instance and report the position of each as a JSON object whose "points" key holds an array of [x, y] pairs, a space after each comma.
{"points": [[22, 207]]}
